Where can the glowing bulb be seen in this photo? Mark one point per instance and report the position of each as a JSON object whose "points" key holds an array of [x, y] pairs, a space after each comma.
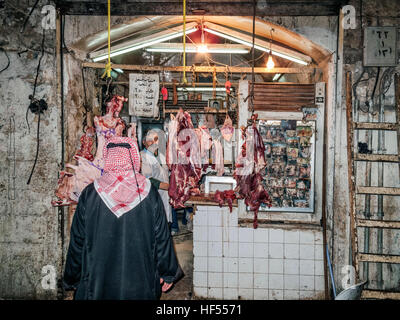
{"points": [[202, 48], [270, 63]]}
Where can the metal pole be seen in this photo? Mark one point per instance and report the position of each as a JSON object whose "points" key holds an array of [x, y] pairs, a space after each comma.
{"points": [[330, 271], [380, 213]]}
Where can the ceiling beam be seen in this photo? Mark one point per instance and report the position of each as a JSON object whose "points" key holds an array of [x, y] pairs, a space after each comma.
{"points": [[215, 8], [210, 69]]}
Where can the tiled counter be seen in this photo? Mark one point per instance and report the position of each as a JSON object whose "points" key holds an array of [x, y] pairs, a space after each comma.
{"points": [[232, 262]]}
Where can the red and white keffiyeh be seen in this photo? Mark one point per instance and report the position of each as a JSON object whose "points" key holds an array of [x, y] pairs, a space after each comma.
{"points": [[118, 186]]}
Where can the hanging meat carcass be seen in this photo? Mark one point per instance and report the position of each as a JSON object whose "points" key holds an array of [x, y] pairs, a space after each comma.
{"points": [[227, 129], [183, 159], [206, 143], [249, 165], [111, 124], [89, 168], [218, 157], [87, 141]]}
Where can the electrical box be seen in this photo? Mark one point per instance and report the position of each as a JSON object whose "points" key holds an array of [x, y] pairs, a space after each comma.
{"points": [[380, 46]]}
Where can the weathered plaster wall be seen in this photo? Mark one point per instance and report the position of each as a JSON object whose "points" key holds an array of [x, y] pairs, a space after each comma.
{"points": [[28, 224], [30, 234], [374, 13]]}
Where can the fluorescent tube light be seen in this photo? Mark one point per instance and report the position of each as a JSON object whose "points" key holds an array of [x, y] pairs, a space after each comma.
{"points": [[177, 50], [285, 56], [276, 76], [192, 48], [144, 44]]}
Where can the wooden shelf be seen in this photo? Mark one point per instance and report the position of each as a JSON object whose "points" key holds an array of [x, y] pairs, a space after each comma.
{"points": [[382, 258], [375, 126], [378, 224], [376, 294], [379, 190]]}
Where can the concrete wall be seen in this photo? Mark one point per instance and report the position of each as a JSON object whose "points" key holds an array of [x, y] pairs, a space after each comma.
{"points": [[29, 237], [30, 230]]}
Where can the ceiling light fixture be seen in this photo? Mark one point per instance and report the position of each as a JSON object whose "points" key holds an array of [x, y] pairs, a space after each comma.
{"points": [[249, 44], [270, 62], [192, 48], [276, 76], [203, 47], [144, 44]]}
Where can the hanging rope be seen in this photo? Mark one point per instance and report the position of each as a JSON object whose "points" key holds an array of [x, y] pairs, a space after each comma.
{"points": [[251, 104], [251, 93], [214, 83], [85, 103], [184, 41], [107, 70]]}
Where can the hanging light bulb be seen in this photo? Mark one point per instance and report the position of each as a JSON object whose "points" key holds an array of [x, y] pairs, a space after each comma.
{"points": [[203, 47], [270, 62]]}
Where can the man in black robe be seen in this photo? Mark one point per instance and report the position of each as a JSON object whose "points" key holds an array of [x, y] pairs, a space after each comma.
{"points": [[120, 245]]}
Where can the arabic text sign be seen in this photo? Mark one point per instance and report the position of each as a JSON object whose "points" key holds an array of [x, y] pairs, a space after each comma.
{"points": [[143, 94]]}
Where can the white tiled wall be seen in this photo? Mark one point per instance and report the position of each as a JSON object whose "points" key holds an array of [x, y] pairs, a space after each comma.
{"points": [[232, 262]]}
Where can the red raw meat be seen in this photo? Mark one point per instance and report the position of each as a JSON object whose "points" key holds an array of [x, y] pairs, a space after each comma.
{"points": [[229, 196], [87, 141], [183, 158], [89, 168], [247, 173], [219, 197], [225, 196]]}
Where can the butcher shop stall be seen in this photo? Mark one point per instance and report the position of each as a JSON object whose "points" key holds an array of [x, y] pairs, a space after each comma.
{"points": [[239, 107]]}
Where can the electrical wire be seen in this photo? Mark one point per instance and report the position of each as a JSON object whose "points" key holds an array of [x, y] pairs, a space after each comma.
{"points": [[63, 37], [8, 60], [386, 80], [376, 83], [29, 15], [39, 110], [355, 85]]}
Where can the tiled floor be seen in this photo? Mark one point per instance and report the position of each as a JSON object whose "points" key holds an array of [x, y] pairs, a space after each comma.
{"points": [[183, 243]]}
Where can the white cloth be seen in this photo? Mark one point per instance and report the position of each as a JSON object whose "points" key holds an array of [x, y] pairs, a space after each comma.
{"points": [[151, 168]]}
